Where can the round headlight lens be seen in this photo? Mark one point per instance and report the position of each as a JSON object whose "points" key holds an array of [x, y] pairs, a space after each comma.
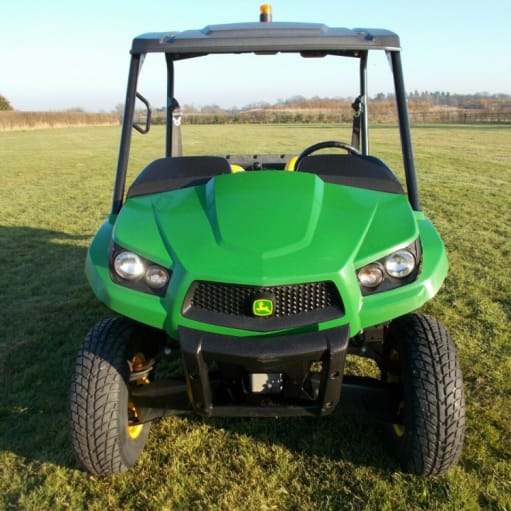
{"points": [[370, 275], [400, 264], [156, 277], [128, 266]]}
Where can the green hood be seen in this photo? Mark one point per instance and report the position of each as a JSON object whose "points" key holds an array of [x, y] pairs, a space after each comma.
{"points": [[265, 228]]}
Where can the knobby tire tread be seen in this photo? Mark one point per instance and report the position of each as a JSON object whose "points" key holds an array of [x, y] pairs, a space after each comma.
{"points": [[95, 418], [435, 434]]}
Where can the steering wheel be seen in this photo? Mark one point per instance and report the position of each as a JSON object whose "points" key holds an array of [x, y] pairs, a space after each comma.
{"points": [[322, 145]]}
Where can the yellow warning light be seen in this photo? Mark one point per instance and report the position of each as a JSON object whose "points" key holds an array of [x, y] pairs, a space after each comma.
{"points": [[265, 13]]}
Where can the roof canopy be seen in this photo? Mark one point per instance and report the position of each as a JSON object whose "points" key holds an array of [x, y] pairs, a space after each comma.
{"points": [[306, 38]]}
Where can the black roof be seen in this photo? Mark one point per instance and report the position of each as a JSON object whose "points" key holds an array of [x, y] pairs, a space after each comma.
{"points": [[312, 38]]}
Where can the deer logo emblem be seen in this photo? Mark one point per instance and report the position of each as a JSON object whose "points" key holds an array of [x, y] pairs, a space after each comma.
{"points": [[262, 307]]}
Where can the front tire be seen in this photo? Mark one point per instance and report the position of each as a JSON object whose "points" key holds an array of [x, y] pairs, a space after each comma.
{"points": [[105, 435], [425, 381]]}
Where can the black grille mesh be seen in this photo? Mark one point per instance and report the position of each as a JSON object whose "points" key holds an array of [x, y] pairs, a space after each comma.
{"points": [[237, 300]]}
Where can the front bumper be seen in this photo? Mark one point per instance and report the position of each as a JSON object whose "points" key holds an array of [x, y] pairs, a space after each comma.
{"points": [[217, 367]]}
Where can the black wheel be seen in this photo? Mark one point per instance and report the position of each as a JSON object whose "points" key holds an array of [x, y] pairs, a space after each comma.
{"points": [[426, 386], [106, 435]]}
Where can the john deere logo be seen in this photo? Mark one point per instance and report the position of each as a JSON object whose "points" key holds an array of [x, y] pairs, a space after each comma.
{"points": [[262, 307]]}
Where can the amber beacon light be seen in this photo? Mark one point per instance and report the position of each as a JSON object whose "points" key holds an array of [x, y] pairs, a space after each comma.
{"points": [[265, 13]]}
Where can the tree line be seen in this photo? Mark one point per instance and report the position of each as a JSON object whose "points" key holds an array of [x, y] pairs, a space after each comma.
{"points": [[423, 107], [4, 104]]}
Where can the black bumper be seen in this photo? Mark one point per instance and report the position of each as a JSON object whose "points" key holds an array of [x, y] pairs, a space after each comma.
{"points": [[215, 366]]}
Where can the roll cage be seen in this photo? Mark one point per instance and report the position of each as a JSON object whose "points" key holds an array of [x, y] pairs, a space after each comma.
{"points": [[306, 39]]}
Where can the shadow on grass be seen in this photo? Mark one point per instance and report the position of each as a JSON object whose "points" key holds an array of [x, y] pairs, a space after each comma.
{"points": [[48, 310], [350, 440]]}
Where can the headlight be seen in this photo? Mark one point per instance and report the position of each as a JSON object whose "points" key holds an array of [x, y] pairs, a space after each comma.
{"points": [[371, 275], [156, 277], [394, 270], [129, 266], [135, 272], [400, 264]]}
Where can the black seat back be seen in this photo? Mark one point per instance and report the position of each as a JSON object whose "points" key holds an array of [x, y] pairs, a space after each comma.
{"points": [[177, 172], [352, 170]]}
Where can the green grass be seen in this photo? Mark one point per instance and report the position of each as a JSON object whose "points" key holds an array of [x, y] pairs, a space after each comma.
{"points": [[55, 190]]}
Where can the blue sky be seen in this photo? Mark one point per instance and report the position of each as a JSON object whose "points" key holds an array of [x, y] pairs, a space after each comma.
{"points": [[65, 54]]}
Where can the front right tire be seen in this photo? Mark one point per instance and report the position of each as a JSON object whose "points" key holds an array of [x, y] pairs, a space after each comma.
{"points": [[106, 435]]}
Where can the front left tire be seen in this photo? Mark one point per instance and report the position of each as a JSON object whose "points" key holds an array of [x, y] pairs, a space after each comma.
{"points": [[425, 381]]}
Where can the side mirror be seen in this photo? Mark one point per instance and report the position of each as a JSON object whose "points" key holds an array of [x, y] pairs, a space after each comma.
{"points": [[142, 118]]}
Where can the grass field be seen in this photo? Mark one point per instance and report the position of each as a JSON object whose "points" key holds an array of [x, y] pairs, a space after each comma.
{"points": [[56, 190]]}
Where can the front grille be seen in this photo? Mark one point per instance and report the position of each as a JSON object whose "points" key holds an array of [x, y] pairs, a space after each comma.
{"points": [[231, 304]]}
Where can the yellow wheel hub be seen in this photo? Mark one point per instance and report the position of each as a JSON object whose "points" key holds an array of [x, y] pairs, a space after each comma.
{"points": [[399, 429], [135, 428]]}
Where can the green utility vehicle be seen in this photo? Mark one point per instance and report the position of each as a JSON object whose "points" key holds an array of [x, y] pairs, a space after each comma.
{"points": [[242, 282]]}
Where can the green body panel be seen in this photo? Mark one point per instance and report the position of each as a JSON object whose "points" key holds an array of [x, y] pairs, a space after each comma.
{"points": [[266, 228]]}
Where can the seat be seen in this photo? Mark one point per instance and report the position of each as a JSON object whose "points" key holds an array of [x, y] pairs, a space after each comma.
{"points": [[172, 173], [291, 164], [360, 171]]}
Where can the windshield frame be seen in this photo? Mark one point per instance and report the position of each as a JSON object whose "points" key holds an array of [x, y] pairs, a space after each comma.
{"points": [[305, 39]]}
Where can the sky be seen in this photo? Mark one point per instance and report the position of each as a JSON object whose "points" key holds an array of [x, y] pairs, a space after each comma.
{"points": [[65, 54]]}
